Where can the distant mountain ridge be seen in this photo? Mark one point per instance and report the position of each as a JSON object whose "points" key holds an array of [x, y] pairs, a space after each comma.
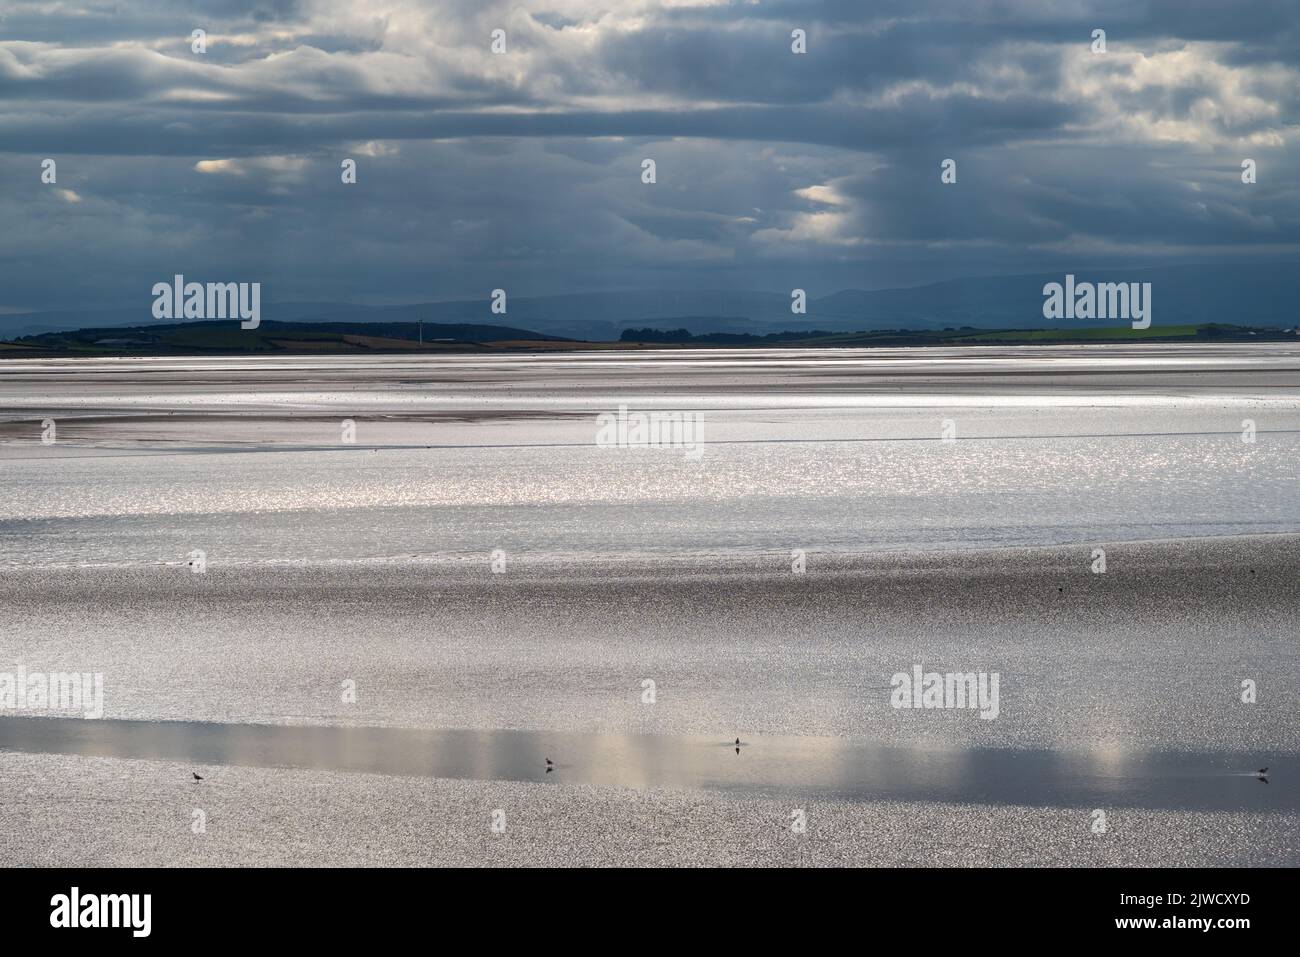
{"points": [[1250, 293]]}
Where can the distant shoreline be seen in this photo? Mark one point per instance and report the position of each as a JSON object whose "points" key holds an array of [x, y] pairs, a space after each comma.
{"points": [[291, 338]]}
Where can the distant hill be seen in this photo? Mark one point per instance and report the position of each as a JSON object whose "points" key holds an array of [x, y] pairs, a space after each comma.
{"points": [[272, 336], [1258, 294], [225, 337], [966, 335]]}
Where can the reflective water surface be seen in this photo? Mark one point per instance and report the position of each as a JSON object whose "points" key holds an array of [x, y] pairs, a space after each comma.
{"points": [[835, 449], [795, 767]]}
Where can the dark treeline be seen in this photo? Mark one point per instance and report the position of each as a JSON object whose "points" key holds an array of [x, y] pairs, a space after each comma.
{"points": [[713, 338]]}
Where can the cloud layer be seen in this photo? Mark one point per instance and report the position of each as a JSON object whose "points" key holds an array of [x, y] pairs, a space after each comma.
{"points": [[522, 169]]}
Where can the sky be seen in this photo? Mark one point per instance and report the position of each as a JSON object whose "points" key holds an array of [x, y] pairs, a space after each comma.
{"points": [[522, 170]]}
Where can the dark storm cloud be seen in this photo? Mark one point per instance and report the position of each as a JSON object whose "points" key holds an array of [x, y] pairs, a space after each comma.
{"points": [[207, 131], [774, 169]]}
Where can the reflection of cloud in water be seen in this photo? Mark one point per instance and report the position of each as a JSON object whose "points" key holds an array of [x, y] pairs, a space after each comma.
{"points": [[794, 767]]}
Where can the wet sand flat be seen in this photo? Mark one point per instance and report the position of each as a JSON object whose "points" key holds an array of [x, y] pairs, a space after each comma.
{"points": [[62, 811], [391, 635], [1149, 655]]}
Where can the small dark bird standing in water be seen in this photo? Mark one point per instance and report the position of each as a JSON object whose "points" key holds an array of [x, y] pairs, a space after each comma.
{"points": [[549, 766], [1262, 771], [196, 777]]}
